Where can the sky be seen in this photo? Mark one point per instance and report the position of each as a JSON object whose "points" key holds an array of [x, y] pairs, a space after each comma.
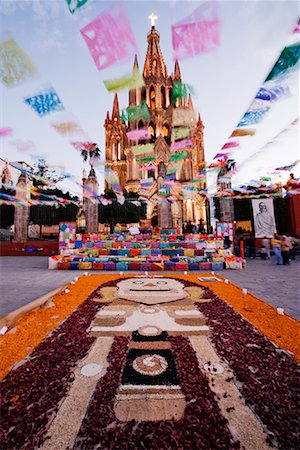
{"points": [[225, 80]]}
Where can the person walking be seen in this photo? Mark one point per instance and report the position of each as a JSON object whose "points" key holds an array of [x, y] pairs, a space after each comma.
{"points": [[285, 249], [276, 246], [266, 244]]}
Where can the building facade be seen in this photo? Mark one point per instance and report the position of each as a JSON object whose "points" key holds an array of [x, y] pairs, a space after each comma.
{"points": [[169, 117]]}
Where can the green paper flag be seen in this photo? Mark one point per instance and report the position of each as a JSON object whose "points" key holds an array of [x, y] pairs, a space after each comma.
{"points": [[75, 4], [146, 159], [142, 149], [138, 112], [288, 59], [181, 90], [177, 157], [180, 133], [128, 81], [16, 66]]}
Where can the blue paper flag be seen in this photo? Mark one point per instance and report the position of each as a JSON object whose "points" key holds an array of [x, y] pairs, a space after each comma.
{"points": [[251, 118], [272, 93], [45, 102]]}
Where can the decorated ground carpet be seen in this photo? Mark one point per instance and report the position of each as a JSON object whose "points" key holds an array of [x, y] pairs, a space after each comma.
{"points": [[151, 362]]}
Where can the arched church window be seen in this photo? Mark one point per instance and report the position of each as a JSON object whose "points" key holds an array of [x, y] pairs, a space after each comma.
{"points": [[151, 173], [118, 151], [151, 129], [154, 64], [140, 124], [152, 98], [163, 97], [162, 169], [143, 94], [165, 130], [166, 133]]}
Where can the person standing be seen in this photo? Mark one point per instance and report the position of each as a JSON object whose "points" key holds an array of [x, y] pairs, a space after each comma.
{"points": [[285, 249], [252, 248], [266, 244], [263, 252], [189, 227], [276, 246], [292, 243]]}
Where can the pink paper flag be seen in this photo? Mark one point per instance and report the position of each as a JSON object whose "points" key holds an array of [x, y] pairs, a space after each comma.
{"points": [[230, 145], [78, 144], [109, 37], [23, 146], [297, 29], [197, 33], [5, 131]]}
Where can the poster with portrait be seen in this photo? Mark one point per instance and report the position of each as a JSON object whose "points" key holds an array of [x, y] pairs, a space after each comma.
{"points": [[263, 215]]}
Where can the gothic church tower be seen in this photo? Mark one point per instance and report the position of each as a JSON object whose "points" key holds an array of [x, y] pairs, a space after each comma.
{"points": [[167, 115]]}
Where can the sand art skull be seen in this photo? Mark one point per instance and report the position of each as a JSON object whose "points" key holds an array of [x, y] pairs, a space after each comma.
{"points": [[151, 291], [150, 309]]}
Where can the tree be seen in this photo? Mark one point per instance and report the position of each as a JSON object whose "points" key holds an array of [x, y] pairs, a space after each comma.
{"points": [[7, 211], [116, 213], [52, 215], [47, 177]]}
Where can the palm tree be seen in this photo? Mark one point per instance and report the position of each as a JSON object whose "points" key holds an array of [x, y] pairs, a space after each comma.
{"points": [[89, 150]]}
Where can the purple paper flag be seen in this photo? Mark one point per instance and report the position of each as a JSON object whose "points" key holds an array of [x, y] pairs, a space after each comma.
{"points": [[221, 155], [109, 37], [181, 144], [140, 133], [197, 33]]}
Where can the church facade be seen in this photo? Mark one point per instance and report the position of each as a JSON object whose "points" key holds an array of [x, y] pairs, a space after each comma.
{"points": [[168, 119]]}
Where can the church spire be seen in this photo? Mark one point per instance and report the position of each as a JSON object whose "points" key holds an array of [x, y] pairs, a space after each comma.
{"points": [[190, 103], [135, 64], [154, 62], [177, 73], [115, 111], [199, 122]]}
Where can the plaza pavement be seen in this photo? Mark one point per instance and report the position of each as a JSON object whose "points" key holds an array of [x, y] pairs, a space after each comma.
{"points": [[24, 279]]}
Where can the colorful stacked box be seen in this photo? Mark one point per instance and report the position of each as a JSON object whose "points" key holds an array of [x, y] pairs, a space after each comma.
{"points": [[145, 252]]}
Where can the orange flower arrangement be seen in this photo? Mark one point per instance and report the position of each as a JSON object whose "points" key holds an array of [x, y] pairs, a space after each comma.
{"points": [[282, 330], [32, 328]]}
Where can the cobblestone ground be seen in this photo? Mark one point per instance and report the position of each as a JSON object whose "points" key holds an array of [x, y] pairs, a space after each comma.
{"points": [[24, 279]]}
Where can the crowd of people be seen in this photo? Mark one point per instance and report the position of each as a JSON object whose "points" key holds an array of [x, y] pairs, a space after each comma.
{"points": [[191, 228], [284, 249], [282, 246]]}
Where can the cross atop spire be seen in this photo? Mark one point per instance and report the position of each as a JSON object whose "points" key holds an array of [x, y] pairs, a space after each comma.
{"points": [[153, 18]]}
